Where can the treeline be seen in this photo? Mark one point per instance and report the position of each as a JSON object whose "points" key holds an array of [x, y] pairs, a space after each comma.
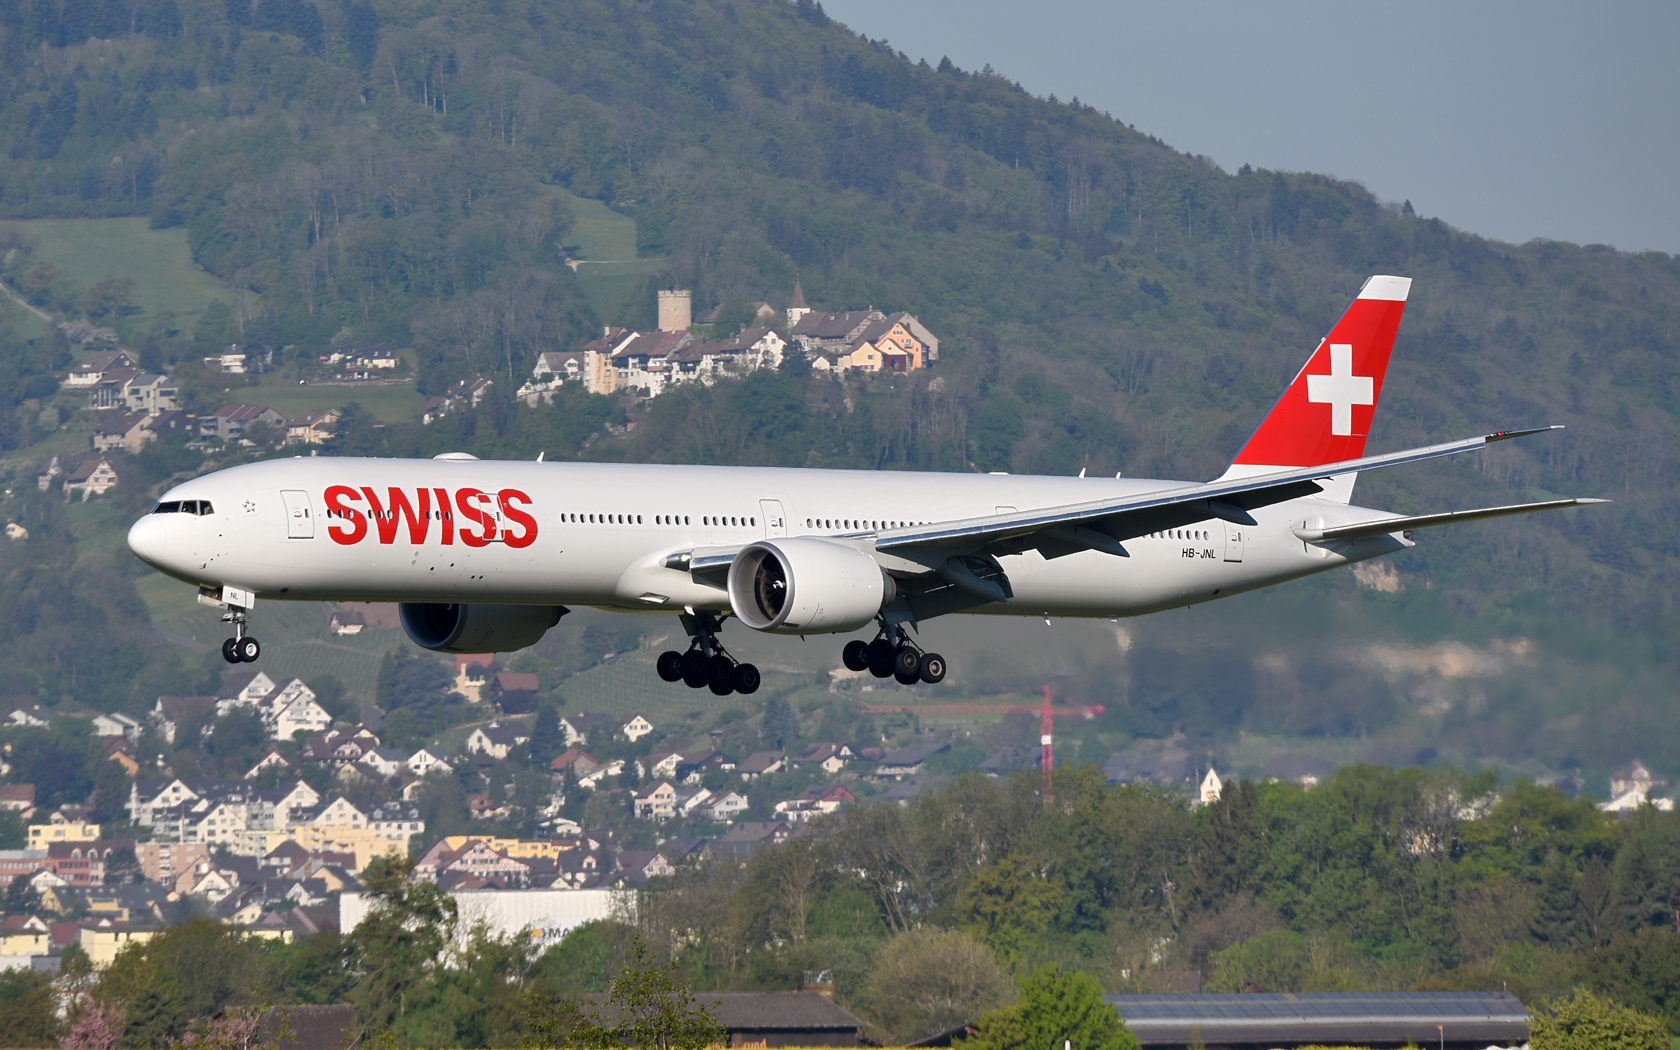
{"points": [[929, 914]]}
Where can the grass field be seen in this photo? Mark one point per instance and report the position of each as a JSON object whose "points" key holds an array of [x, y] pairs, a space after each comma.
{"points": [[606, 240], [388, 404], [157, 261]]}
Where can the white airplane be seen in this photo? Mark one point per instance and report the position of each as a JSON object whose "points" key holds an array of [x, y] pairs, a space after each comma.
{"points": [[485, 556]]}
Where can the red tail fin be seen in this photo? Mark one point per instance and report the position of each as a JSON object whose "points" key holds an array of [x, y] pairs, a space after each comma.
{"points": [[1325, 415]]}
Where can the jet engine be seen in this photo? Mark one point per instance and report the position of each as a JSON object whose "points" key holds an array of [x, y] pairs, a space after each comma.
{"points": [[806, 586], [455, 628]]}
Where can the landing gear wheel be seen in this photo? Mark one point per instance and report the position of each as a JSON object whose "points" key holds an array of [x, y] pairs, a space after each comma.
{"points": [[229, 652], [880, 653], [722, 677], [932, 668], [671, 665], [248, 649], [746, 679], [696, 669], [907, 665], [855, 655]]}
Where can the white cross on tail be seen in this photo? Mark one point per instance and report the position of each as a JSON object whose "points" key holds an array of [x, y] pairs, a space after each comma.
{"points": [[1341, 389]]}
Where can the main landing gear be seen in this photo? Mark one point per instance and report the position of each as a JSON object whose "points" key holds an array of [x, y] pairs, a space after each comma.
{"points": [[241, 648], [706, 665], [893, 654]]}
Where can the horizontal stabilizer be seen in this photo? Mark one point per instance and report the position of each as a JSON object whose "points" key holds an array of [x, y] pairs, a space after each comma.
{"points": [[1428, 521]]}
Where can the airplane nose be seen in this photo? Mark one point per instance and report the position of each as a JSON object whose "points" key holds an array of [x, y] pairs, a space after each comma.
{"points": [[149, 538]]}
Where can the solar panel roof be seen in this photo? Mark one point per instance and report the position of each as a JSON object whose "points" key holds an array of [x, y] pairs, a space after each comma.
{"points": [[1307, 1007]]}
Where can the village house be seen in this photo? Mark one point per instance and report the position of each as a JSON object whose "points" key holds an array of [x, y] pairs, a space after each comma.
{"points": [[762, 763], [495, 740], [150, 393], [515, 692], [230, 422], [654, 802], [314, 427], [343, 621], [636, 728], [94, 475], [832, 758], [87, 372], [425, 760]]}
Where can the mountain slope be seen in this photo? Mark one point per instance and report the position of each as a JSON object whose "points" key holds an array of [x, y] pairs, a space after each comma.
{"points": [[1106, 302]]}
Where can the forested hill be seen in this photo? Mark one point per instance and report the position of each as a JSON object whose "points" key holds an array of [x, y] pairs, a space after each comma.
{"points": [[404, 171]]}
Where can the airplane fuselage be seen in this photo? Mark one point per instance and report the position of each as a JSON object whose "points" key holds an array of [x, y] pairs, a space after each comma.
{"points": [[472, 531]]}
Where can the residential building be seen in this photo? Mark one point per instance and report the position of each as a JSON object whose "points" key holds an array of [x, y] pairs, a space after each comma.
{"points": [[663, 764], [84, 863], [21, 863], [655, 801], [908, 761], [91, 369], [150, 394], [314, 427], [638, 866], [117, 724], [722, 806], [426, 760], [19, 798], [245, 689], [515, 692], [92, 475], [384, 761], [345, 622], [815, 800], [762, 763], [749, 836], [832, 758], [399, 821], [108, 392], [636, 728], [577, 728], [580, 762], [230, 422], [172, 712], [495, 740], [34, 715], [692, 768], [40, 835], [164, 862]]}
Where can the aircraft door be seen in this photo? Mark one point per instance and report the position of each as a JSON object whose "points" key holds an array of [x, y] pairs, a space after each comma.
{"points": [[775, 519], [300, 514], [1234, 541]]}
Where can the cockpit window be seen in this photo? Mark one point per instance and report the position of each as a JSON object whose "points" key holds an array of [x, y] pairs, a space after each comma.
{"points": [[200, 507]]}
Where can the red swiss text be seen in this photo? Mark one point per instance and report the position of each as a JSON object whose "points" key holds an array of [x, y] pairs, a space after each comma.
{"points": [[473, 516]]}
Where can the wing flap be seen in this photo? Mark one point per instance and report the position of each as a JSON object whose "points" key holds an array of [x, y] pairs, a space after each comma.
{"points": [[1429, 521]]}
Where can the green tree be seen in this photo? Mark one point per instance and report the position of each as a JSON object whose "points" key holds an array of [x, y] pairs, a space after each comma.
{"points": [[781, 725], [1009, 903], [111, 296], [398, 947], [647, 1006], [1275, 961], [928, 980], [1557, 914], [28, 1008], [1055, 1007], [1584, 1021]]}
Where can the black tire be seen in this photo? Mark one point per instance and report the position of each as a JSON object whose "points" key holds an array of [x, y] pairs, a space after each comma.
{"points": [[671, 665], [881, 658], [747, 679], [856, 655], [696, 669], [932, 669], [906, 679], [228, 652], [907, 662], [721, 671], [248, 649]]}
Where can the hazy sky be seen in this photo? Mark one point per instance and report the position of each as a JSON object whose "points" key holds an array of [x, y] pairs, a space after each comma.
{"points": [[1512, 120]]}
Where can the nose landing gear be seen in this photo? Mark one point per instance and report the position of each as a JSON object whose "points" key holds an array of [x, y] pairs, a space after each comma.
{"points": [[706, 665], [893, 655], [241, 648]]}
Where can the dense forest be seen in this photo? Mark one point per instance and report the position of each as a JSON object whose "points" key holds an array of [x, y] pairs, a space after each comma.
{"points": [[928, 914], [403, 171]]}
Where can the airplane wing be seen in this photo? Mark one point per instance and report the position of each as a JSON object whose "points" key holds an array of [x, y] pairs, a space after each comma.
{"points": [[1429, 521], [1104, 524]]}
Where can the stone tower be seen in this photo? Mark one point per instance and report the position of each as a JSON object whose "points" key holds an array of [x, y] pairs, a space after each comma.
{"points": [[676, 310]]}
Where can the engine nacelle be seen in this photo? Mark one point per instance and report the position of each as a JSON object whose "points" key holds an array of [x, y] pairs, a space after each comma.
{"points": [[806, 586], [455, 628]]}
